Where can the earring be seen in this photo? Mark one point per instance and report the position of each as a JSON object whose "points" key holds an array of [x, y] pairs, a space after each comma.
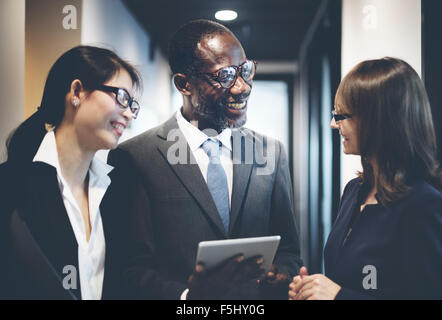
{"points": [[76, 102]]}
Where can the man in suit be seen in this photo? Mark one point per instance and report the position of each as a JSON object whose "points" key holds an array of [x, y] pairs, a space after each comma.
{"points": [[201, 176]]}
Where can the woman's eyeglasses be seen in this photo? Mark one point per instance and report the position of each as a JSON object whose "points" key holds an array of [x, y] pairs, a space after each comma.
{"points": [[227, 76], [341, 116], [123, 98]]}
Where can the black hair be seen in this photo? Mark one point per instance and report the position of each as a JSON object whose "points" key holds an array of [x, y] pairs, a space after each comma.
{"points": [[93, 66], [389, 101], [183, 53]]}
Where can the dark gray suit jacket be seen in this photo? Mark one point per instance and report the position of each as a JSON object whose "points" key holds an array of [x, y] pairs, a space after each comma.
{"points": [[175, 209]]}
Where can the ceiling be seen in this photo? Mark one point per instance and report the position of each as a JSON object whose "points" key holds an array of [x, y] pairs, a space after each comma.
{"points": [[269, 30]]}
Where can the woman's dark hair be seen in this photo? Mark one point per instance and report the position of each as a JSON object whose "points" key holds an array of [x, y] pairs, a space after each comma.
{"points": [[93, 66], [391, 107], [183, 53]]}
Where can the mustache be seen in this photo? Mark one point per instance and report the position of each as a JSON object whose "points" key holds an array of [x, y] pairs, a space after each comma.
{"points": [[236, 99]]}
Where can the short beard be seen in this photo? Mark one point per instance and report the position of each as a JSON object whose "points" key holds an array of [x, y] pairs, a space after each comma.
{"points": [[217, 120], [215, 115]]}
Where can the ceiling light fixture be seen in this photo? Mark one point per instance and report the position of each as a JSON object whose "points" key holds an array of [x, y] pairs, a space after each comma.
{"points": [[226, 15]]}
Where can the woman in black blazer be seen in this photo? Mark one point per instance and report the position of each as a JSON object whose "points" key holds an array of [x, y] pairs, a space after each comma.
{"points": [[386, 242], [62, 236]]}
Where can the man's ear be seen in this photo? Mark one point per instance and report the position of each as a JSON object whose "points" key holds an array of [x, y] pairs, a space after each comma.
{"points": [[182, 84]]}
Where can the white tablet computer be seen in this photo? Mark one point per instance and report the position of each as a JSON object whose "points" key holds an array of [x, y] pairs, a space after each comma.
{"points": [[213, 252]]}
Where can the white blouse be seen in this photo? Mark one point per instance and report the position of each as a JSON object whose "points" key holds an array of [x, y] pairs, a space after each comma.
{"points": [[91, 255]]}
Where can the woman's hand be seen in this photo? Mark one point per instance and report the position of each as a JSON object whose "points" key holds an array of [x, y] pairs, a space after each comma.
{"points": [[314, 287], [296, 284]]}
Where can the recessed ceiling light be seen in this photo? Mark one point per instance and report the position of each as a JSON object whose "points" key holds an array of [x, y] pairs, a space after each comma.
{"points": [[226, 15]]}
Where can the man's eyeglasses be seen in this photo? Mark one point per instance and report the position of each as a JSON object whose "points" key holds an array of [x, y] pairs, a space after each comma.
{"points": [[123, 98], [227, 76], [341, 116]]}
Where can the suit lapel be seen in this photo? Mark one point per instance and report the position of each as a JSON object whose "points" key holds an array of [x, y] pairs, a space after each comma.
{"points": [[243, 158], [342, 232], [188, 172], [47, 219], [35, 261]]}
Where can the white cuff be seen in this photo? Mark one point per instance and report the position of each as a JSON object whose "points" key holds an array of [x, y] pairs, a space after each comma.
{"points": [[184, 295]]}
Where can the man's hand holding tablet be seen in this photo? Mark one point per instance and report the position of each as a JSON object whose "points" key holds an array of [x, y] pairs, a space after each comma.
{"points": [[224, 265], [216, 282]]}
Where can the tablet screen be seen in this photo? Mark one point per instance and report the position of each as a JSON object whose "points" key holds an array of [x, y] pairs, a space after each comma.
{"points": [[213, 252]]}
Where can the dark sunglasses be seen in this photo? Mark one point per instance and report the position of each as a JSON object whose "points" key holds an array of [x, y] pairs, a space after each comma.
{"points": [[123, 98], [227, 76], [339, 117]]}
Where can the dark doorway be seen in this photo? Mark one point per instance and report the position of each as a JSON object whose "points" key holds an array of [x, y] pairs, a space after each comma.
{"points": [[432, 62]]}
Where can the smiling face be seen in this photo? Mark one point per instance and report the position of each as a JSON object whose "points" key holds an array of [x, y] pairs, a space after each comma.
{"points": [[348, 129], [100, 120], [212, 105]]}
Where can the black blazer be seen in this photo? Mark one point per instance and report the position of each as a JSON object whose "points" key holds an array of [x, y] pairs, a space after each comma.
{"points": [[176, 210], [38, 241], [403, 242]]}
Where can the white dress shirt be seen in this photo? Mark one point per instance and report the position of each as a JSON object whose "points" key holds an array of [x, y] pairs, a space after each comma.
{"points": [[91, 254], [195, 138]]}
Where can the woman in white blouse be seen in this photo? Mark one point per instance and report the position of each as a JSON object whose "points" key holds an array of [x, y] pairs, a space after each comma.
{"points": [[61, 234]]}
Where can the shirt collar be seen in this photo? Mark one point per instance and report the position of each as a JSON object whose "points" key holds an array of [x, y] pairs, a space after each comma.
{"points": [[195, 137], [47, 153]]}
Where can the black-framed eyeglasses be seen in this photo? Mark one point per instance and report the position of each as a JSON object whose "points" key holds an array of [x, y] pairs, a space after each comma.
{"points": [[227, 76], [340, 116], [123, 98]]}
